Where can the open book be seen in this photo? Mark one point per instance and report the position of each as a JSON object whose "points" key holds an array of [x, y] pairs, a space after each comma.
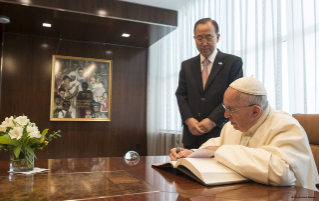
{"points": [[206, 171]]}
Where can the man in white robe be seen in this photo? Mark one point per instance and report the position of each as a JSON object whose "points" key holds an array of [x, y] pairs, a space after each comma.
{"points": [[259, 142], [75, 89]]}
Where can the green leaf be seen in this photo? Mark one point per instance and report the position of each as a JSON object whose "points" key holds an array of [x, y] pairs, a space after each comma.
{"points": [[25, 136], [24, 129], [28, 148], [17, 150], [5, 139], [45, 132], [34, 141]]}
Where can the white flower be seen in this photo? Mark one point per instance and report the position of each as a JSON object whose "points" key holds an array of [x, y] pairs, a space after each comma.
{"points": [[8, 122], [33, 132], [35, 135], [22, 120], [3, 128], [16, 132], [32, 129]]}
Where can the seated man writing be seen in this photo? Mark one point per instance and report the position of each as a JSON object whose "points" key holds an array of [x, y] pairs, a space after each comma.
{"points": [[259, 142]]}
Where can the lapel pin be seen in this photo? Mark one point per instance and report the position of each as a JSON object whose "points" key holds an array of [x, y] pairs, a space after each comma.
{"points": [[220, 63]]}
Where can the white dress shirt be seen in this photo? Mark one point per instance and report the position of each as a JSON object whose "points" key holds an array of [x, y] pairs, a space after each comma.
{"points": [[211, 58]]}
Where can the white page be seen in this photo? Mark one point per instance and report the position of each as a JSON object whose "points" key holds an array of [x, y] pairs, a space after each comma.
{"points": [[202, 153], [212, 172]]}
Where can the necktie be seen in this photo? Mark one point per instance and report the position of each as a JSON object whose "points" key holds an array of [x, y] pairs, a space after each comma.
{"points": [[205, 72]]}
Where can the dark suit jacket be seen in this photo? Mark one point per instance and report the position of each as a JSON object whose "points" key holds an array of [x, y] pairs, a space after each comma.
{"points": [[199, 103]]}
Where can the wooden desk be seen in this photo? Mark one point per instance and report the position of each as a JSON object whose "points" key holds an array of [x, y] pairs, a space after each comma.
{"points": [[88, 178]]}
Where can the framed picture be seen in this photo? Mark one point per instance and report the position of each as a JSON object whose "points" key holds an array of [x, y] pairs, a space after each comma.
{"points": [[81, 89]]}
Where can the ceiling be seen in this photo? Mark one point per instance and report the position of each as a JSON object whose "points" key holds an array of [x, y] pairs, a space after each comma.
{"points": [[82, 27], [167, 4]]}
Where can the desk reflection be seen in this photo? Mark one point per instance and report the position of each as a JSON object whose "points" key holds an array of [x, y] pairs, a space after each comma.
{"points": [[70, 186], [115, 179], [78, 165], [244, 191]]}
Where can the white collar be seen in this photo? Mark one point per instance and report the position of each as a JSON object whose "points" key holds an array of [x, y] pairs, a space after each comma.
{"points": [[211, 58]]}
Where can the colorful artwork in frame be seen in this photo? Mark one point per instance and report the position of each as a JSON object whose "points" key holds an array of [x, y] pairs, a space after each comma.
{"points": [[81, 89]]}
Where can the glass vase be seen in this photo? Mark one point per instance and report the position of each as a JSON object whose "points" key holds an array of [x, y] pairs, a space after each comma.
{"points": [[24, 163]]}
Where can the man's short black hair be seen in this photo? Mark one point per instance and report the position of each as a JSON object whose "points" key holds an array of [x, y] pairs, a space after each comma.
{"points": [[57, 96], [66, 77], [88, 108], [66, 103], [204, 21], [85, 83], [61, 89], [80, 68]]}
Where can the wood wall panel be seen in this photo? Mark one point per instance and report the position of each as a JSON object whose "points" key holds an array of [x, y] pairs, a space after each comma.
{"points": [[26, 90], [1, 37], [109, 8]]}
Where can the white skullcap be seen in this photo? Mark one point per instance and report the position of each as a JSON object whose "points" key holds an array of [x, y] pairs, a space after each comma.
{"points": [[249, 85]]}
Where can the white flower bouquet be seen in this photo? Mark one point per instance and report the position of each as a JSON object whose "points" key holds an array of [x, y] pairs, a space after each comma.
{"points": [[22, 137]]}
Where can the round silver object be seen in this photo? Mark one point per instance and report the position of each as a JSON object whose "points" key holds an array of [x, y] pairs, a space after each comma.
{"points": [[131, 158], [4, 19]]}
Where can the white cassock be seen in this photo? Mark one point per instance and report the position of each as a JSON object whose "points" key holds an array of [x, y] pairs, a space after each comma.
{"points": [[76, 86], [275, 151]]}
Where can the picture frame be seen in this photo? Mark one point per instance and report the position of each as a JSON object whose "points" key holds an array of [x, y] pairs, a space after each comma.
{"points": [[81, 89]]}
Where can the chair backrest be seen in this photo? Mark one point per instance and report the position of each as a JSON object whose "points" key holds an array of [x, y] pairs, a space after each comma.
{"points": [[310, 122]]}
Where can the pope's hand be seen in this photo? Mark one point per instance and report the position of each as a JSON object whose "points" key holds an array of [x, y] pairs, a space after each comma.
{"points": [[183, 153], [194, 127], [206, 125]]}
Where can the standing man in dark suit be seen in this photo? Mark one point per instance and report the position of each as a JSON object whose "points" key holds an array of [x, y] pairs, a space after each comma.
{"points": [[202, 83]]}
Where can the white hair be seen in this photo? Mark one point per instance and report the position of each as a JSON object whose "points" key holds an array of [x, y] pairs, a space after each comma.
{"points": [[260, 100]]}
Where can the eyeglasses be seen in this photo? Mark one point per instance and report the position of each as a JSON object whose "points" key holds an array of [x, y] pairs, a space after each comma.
{"points": [[207, 39], [232, 111]]}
